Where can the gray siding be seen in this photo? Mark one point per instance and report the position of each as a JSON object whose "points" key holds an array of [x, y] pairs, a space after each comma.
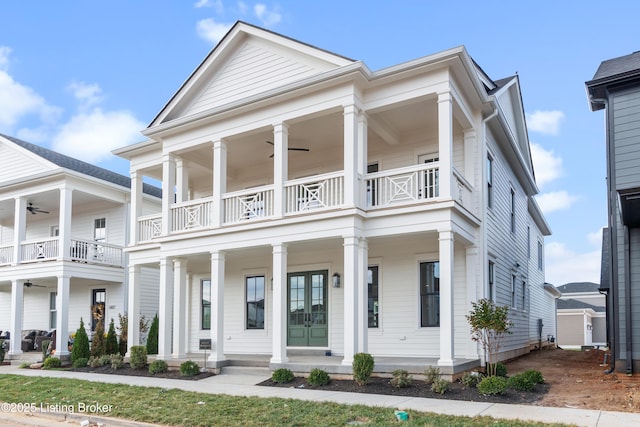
{"points": [[571, 330], [625, 110]]}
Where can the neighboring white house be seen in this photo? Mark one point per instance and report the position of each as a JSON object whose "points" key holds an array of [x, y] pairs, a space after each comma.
{"points": [[581, 316], [63, 226], [312, 205]]}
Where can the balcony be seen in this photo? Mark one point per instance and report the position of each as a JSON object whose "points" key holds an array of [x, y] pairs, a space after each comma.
{"points": [[48, 249]]}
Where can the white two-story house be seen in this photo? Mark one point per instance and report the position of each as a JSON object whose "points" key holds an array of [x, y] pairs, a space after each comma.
{"points": [[63, 226], [311, 205]]}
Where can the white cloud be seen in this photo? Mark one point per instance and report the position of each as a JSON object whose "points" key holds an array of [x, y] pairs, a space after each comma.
{"points": [[546, 165], [17, 101], [595, 238], [555, 201], [212, 31], [564, 266], [87, 94], [217, 5], [92, 136], [546, 122], [4, 57], [267, 17]]}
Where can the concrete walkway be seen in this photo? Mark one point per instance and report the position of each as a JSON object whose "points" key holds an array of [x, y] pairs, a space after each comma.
{"points": [[241, 382]]}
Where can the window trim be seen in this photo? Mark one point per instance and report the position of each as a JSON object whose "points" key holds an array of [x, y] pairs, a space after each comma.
{"points": [[53, 310], [513, 211], [203, 305], [489, 172], [491, 279], [246, 302], [103, 221], [540, 256], [420, 295], [514, 280], [376, 303]]}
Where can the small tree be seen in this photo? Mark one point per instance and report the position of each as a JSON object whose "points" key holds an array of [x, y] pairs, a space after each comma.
{"points": [[489, 324], [152, 339], [98, 345], [123, 330], [80, 347], [111, 345]]}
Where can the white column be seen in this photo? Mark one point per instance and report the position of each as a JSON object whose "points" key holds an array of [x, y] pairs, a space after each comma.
{"points": [[64, 224], [17, 312], [164, 309], [363, 295], [133, 313], [280, 167], [350, 143], [62, 317], [217, 306], [168, 190], [469, 155], [445, 142], [182, 181], [475, 280], [19, 227], [362, 162], [179, 308], [350, 284], [219, 180], [280, 310], [136, 206], [446, 298]]}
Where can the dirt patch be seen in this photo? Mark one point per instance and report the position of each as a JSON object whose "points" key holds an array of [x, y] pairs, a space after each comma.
{"points": [[128, 370]]}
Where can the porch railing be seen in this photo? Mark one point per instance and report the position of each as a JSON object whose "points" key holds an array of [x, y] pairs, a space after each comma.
{"points": [[464, 190], [191, 215], [149, 226], [6, 254], [39, 250], [314, 193], [94, 252], [251, 204], [404, 185]]}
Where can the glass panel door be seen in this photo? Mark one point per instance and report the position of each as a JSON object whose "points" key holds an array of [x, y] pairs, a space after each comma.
{"points": [[307, 300]]}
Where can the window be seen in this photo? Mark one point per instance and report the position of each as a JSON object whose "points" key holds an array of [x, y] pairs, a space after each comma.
{"points": [[372, 296], [513, 211], [489, 182], [528, 242], [53, 313], [524, 295], [205, 304], [97, 307], [540, 263], [55, 231], [513, 291], [99, 229], [254, 286], [431, 186], [491, 274], [372, 186], [429, 294]]}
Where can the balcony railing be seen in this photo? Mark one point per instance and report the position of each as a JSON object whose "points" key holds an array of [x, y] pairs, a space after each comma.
{"points": [[315, 193], [402, 186], [6, 254], [251, 204], [39, 250], [191, 215], [94, 252], [149, 226]]}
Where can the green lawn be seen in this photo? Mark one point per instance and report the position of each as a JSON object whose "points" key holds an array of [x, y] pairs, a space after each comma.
{"points": [[176, 407]]}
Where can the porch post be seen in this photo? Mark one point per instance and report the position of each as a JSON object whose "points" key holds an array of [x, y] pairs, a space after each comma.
{"points": [[136, 206], [19, 227], [446, 298], [217, 306], [350, 144], [280, 167], [445, 142], [164, 309], [182, 181], [219, 181], [362, 162], [64, 225], [350, 284], [133, 311], [475, 280], [279, 346], [168, 190], [363, 293], [62, 316], [17, 313], [179, 308]]}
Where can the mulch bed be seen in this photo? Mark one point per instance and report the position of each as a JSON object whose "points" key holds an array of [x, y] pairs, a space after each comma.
{"points": [[419, 389], [173, 374]]}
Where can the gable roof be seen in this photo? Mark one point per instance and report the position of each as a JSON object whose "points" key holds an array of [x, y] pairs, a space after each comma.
{"points": [[84, 168], [575, 304], [578, 287], [612, 72]]}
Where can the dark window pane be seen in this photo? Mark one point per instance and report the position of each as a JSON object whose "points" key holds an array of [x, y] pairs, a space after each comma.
{"points": [[430, 294]]}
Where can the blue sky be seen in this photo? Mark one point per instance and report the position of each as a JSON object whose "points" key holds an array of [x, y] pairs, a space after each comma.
{"points": [[84, 77]]}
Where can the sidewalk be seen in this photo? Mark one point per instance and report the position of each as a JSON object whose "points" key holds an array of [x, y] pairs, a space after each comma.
{"points": [[243, 384]]}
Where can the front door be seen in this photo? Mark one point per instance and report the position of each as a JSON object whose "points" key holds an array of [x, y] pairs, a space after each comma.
{"points": [[307, 297]]}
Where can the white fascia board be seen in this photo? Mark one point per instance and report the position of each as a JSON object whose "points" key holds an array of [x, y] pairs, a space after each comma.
{"points": [[128, 151], [538, 217]]}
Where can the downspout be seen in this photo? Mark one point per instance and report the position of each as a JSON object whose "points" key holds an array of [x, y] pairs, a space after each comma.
{"points": [[627, 301]]}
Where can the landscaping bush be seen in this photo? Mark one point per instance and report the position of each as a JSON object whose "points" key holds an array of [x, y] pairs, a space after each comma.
{"points": [[123, 329], [401, 378], [152, 339], [138, 357], [51, 362], [534, 375], [2, 350], [80, 348], [471, 379], [111, 345], [520, 382], [498, 369], [98, 342], [45, 348], [105, 360], [189, 368], [80, 363], [362, 367], [116, 360], [318, 377], [24, 365], [282, 375], [440, 386], [158, 367], [431, 374], [94, 362], [491, 386]]}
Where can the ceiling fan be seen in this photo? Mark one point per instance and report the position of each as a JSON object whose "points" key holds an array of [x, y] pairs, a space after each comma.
{"points": [[289, 148], [34, 209], [28, 284]]}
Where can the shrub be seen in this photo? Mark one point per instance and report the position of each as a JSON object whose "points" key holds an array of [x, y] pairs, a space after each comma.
{"points": [[401, 378], [98, 343], [116, 361], [362, 367], [123, 329], [189, 368], [318, 377], [45, 348], [431, 374], [94, 362], [111, 345], [80, 363], [105, 360], [282, 375], [440, 386], [471, 379], [158, 367], [534, 376], [489, 324], [138, 357], [24, 365], [152, 339], [520, 382], [491, 386], [498, 369], [80, 348], [2, 350], [51, 362]]}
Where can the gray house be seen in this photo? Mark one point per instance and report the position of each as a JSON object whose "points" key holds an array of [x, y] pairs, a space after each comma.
{"points": [[616, 88], [581, 316]]}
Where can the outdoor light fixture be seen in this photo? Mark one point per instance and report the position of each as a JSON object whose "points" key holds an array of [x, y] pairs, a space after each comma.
{"points": [[336, 280]]}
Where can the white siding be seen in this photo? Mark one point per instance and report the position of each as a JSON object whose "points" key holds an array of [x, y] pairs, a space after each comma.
{"points": [[16, 164]]}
